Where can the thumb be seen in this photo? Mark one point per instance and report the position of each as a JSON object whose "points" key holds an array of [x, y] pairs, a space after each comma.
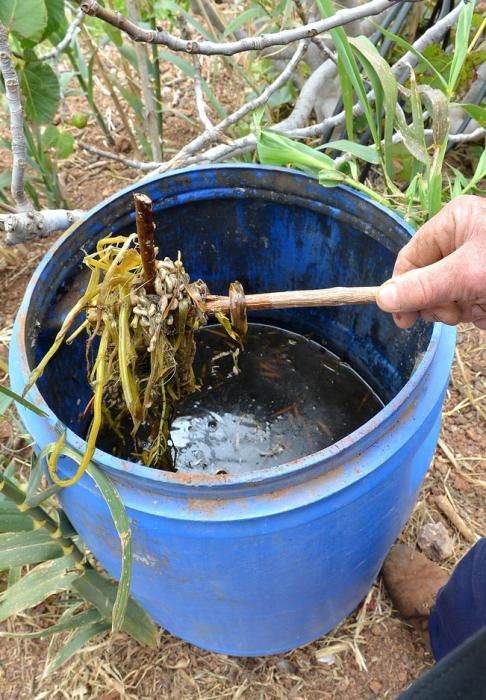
{"points": [[426, 287]]}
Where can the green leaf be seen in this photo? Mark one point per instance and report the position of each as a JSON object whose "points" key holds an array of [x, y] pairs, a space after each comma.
{"points": [[417, 148], [438, 106], [50, 136], [41, 88], [461, 45], [76, 642], [23, 402], [32, 497], [15, 522], [345, 53], [366, 153], [276, 149], [408, 47], [71, 622], [40, 583], [347, 96], [114, 34], [21, 548], [475, 111], [56, 21], [65, 144], [100, 592], [243, 18], [122, 525], [479, 173], [29, 19], [381, 75], [14, 576]]}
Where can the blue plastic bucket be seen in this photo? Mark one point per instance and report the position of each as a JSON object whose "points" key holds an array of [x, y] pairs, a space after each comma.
{"points": [[262, 563]]}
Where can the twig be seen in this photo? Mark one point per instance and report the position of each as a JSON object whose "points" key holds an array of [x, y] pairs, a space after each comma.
{"points": [[248, 143], [130, 162], [455, 519], [212, 135], [145, 232], [200, 103], [109, 86], [68, 38], [198, 89], [19, 149], [254, 43]]}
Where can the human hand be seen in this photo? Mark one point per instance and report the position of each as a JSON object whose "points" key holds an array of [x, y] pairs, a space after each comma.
{"points": [[441, 273]]}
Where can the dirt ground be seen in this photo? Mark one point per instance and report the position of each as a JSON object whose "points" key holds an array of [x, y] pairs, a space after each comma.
{"points": [[371, 655]]}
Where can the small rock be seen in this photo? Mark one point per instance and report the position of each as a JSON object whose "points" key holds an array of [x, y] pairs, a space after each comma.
{"points": [[375, 687], [402, 677], [286, 666], [434, 541], [460, 483]]}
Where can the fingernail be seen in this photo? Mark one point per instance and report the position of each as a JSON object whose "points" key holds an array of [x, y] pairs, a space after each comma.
{"points": [[388, 297]]}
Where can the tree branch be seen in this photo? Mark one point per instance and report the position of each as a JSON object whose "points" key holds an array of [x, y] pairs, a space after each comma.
{"points": [[214, 134], [68, 38], [25, 226], [256, 43], [19, 149]]}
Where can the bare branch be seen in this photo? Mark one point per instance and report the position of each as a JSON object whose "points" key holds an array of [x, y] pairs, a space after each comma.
{"points": [[137, 164], [198, 88], [200, 103], [19, 149], [256, 43], [25, 226], [214, 134], [68, 38], [475, 135]]}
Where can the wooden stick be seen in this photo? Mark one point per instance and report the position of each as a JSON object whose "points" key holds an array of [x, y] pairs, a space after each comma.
{"points": [[455, 519], [146, 239], [335, 296]]}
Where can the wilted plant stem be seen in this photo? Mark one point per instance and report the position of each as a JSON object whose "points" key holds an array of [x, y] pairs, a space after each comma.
{"points": [[146, 239]]}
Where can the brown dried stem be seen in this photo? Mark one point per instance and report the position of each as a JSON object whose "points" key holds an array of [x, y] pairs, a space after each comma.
{"points": [[146, 239]]}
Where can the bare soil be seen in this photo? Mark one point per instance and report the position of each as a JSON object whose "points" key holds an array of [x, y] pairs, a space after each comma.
{"points": [[372, 654]]}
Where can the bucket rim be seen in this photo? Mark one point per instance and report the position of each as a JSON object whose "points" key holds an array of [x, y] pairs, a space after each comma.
{"points": [[351, 443]]}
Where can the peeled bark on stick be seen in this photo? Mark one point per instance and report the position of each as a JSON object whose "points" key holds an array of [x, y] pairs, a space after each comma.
{"points": [[146, 239]]}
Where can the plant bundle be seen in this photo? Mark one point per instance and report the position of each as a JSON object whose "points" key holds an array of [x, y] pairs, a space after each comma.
{"points": [[140, 318]]}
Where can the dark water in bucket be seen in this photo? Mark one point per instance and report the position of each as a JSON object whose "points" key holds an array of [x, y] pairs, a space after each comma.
{"points": [[283, 397]]}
